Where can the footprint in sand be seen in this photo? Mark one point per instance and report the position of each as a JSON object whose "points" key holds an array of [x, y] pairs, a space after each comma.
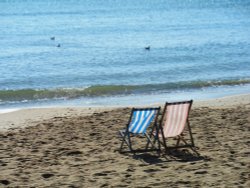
{"points": [[100, 174], [71, 153], [4, 182], [201, 172], [151, 170], [47, 175]]}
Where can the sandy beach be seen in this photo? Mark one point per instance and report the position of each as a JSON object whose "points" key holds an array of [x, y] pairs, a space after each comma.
{"points": [[76, 147]]}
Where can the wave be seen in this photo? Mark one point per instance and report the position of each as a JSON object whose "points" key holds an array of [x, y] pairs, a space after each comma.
{"points": [[110, 90]]}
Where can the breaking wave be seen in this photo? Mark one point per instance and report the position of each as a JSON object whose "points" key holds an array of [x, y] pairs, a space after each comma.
{"points": [[110, 90]]}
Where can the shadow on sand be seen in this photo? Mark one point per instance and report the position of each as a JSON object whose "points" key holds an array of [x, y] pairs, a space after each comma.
{"points": [[172, 155]]}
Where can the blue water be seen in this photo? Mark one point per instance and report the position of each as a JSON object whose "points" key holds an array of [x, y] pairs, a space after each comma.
{"points": [[198, 49]]}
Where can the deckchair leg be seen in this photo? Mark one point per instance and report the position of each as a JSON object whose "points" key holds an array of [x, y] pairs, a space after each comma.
{"points": [[153, 142], [123, 140], [127, 141], [159, 144], [150, 141], [183, 140], [178, 141], [190, 133], [156, 138], [164, 142]]}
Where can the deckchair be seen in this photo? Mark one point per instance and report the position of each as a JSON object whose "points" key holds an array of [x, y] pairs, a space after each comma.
{"points": [[174, 123], [138, 125]]}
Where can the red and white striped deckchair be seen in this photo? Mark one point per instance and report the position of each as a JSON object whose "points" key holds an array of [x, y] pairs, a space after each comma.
{"points": [[173, 122]]}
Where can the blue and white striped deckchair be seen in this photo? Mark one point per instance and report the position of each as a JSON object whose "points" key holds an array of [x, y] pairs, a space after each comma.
{"points": [[140, 119]]}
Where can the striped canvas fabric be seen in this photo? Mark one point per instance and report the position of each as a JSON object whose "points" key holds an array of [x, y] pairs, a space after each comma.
{"points": [[141, 119], [176, 119]]}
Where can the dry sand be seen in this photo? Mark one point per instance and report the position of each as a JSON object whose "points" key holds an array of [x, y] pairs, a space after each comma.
{"points": [[75, 147]]}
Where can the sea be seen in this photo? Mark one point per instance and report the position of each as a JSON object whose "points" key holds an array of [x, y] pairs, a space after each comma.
{"points": [[122, 52]]}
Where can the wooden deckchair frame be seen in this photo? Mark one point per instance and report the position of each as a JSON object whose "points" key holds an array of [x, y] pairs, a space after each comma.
{"points": [[126, 134]]}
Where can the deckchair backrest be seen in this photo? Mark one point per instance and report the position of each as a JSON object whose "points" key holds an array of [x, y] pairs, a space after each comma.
{"points": [[141, 119], [175, 118]]}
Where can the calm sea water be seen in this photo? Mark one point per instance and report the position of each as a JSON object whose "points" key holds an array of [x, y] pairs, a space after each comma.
{"points": [[92, 52]]}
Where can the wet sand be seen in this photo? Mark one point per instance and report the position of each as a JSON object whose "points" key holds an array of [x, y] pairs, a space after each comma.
{"points": [[72, 147]]}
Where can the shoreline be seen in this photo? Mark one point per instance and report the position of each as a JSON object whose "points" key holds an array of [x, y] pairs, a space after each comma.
{"points": [[130, 100], [31, 116]]}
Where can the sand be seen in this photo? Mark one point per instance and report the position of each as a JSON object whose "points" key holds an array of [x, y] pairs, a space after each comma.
{"points": [[76, 147]]}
